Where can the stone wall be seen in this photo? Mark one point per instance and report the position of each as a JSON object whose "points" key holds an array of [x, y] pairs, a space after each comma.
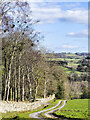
{"points": [[22, 106]]}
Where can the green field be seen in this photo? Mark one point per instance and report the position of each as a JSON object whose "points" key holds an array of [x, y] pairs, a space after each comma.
{"points": [[63, 59], [72, 62], [77, 108], [74, 65], [69, 71]]}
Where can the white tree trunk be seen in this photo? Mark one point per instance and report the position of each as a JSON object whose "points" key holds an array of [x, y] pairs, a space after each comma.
{"points": [[9, 77], [19, 79], [30, 89], [23, 87], [15, 85], [6, 83], [19, 85], [45, 89], [36, 92]]}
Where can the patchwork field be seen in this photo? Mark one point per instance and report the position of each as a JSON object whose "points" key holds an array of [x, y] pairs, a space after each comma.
{"points": [[69, 62]]}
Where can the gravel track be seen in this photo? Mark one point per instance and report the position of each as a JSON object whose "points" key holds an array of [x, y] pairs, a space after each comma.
{"points": [[36, 114], [47, 114], [50, 113]]}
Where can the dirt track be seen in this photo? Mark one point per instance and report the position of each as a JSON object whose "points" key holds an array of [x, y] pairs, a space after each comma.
{"points": [[47, 114], [50, 115]]}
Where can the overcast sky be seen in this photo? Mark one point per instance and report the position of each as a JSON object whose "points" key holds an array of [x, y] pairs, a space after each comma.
{"points": [[63, 24]]}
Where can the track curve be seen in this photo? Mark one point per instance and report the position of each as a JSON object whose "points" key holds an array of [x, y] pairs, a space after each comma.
{"points": [[37, 114], [49, 113]]}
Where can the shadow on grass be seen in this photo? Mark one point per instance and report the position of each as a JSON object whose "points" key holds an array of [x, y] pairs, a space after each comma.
{"points": [[64, 118], [17, 118]]}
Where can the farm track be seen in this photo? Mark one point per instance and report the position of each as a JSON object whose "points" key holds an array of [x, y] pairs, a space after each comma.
{"points": [[48, 114]]}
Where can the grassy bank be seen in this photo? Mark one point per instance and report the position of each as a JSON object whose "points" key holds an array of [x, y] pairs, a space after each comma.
{"points": [[77, 108]]}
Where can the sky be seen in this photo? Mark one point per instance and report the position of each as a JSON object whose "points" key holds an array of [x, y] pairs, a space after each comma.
{"points": [[64, 25]]}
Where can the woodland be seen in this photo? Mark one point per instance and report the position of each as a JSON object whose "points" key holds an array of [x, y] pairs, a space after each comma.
{"points": [[25, 72]]}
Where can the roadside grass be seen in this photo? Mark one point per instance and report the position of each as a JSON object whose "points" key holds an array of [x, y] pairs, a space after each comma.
{"points": [[17, 115], [77, 108], [25, 114]]}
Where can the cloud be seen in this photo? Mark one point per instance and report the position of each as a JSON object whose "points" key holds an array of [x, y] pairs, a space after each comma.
{"points": [[50, 12], [46, 13], [80, 34], [75, 15], [69, 46], [71, 5]]}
